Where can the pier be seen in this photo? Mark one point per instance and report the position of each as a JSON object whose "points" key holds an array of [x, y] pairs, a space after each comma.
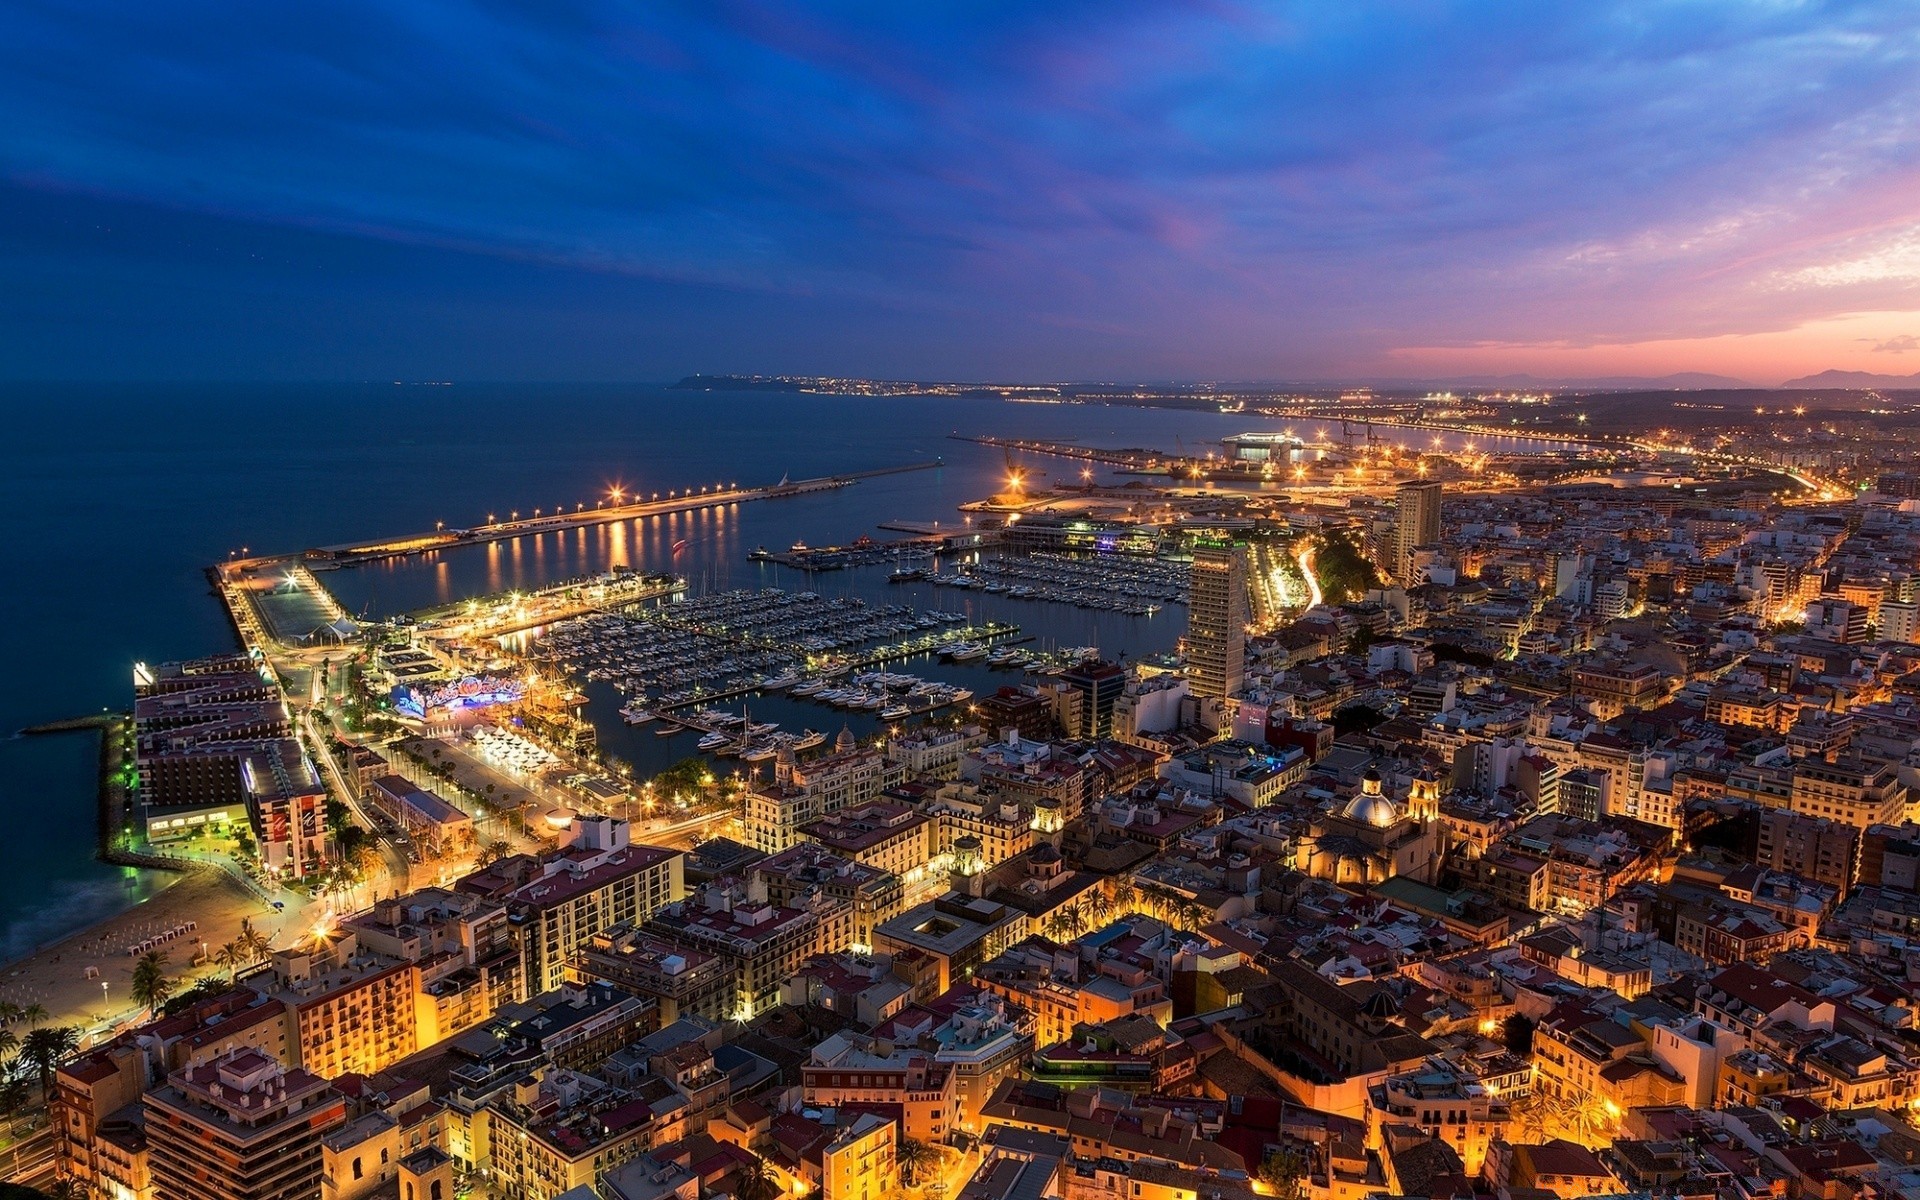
{"points": [[354, 553], [1137, 460]]}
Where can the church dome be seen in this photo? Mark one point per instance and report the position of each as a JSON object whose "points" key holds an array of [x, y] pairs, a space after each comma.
{"points": [[1373, 808], [1381, 1005], [844, 744]]}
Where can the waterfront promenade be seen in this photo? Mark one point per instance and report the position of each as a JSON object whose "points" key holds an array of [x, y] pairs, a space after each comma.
{"points": [[57, 978]]}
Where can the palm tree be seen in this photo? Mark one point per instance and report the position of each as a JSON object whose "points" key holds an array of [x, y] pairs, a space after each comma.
{"points": [[492, 852], [755, 1182], [231, 956], [33, 1014], [255, 943], [13, 1094], [914, 1157], [151, 987], [9, 1012], [45, 1049]]}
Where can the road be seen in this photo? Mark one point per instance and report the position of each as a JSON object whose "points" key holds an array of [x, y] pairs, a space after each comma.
{"points": [[1313, 584], [399, 872]]}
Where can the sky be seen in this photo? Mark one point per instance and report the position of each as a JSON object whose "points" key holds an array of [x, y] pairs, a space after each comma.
{"points": [[565, 190]]}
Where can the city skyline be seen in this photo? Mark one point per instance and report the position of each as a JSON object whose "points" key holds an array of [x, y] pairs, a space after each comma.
{"points": [[435, 191]]}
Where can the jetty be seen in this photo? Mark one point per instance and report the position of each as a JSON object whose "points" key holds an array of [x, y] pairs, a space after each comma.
{"points": [[602, 513]]}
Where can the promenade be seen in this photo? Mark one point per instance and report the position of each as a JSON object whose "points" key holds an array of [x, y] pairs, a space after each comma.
{"points": [[65, 977]]}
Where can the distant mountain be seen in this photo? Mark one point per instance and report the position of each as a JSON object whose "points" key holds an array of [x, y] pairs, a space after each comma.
{"points": [[1854, 379]]}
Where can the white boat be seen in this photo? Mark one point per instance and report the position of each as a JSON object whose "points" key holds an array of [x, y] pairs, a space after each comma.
{"points": [[966, 651], [782, 681], [762, 730], [962, 695], [810, 739], [811, 687], [715, 741], [760, 752], [636, 713], [893, 712]]}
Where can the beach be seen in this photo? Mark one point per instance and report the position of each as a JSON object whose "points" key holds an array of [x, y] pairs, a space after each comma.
{"points": [[65, 978]]}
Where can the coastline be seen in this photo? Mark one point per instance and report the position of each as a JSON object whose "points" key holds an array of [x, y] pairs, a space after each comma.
{"points": [[39, 974], [65, 977]]}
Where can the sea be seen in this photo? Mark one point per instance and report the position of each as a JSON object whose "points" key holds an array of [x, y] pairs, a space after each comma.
{"points": [[116, 498]]}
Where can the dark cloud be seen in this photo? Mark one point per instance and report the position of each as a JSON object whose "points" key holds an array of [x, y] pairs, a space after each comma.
{"points": [[1158, 189]]}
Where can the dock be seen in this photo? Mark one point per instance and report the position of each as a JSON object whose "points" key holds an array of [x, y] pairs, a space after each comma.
{"points": [[348, 554], [1138, 461], [992, 631]]}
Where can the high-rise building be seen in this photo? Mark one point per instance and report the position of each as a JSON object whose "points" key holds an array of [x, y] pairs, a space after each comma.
{"points": [[1216, 648], [1098, 684], [240, 1128], [1417, 523]]}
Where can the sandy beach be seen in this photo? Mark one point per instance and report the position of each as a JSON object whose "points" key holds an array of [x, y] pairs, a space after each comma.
{"points": [[65, 978]]}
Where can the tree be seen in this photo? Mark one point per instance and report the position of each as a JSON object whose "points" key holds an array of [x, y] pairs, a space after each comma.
{"points": [[151, 987], [33, 1014], [1342, 569], [206, 989], [491, 853], [755, 1182], [44, 1049], [1285, 1171], [349, 840], [255, 943], [1099, 907], [914, 1157], [232, 956], [365, 859], [14, 1095], [339, 818]]}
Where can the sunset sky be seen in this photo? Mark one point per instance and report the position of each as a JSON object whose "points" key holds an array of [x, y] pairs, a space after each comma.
{"points": [[1107, 190]]}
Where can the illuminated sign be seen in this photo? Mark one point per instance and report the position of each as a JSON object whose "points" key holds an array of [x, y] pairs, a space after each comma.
{"points": [[475, 691]]}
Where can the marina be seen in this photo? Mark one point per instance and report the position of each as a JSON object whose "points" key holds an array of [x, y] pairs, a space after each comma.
{"points": [[743, 641], [1116, 583]]}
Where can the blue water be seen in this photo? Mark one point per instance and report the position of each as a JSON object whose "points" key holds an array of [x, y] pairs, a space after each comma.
{"points": [[116, 498]]}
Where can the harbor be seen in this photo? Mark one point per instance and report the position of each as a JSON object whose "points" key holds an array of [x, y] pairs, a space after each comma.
{"points": [[1116, 583], [744, 641]]}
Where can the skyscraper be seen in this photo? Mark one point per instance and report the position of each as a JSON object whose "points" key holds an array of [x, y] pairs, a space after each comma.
{"points": [[1217, 619], [1416, 524]]}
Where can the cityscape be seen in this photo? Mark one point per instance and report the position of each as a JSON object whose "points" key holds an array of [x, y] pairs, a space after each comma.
{"points": [[783, 601], [1511, 814]]}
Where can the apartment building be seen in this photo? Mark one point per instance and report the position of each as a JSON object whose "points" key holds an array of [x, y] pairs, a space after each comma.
{"points": [[239, 1128]]}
